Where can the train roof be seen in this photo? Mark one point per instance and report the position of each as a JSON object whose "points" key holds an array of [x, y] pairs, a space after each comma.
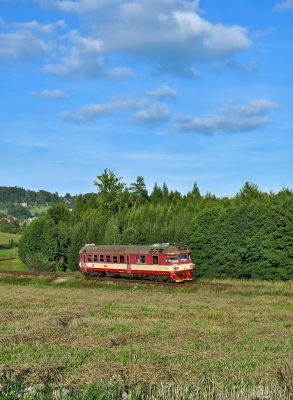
{"points": [[157, 248]]}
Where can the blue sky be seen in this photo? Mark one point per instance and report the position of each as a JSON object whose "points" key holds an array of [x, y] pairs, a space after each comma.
{"points": [[175, 91]]}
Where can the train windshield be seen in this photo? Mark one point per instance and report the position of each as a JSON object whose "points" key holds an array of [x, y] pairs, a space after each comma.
{"points": [[183, 257], [173, 259]]}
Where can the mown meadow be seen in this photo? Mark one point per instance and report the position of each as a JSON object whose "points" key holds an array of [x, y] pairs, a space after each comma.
{"points": [[72, 338]]}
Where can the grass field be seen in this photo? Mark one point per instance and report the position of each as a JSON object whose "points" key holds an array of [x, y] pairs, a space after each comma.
{"points": [[5, 238], [39, 209], [9, 257], [33, 209], [146, 342], [9, 260]]}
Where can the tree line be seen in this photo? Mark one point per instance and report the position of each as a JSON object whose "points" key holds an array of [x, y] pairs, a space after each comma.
{"points": [[247, 236]]}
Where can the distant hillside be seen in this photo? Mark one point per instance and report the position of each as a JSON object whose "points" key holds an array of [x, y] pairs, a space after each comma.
{"points": [[15, 195], [9, 194]]}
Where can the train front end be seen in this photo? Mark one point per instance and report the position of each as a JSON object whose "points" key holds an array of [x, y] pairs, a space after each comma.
{"points": [[181, 265]]}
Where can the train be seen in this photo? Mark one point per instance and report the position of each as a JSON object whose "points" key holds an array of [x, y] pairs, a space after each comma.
{"points": [[163, 262]]}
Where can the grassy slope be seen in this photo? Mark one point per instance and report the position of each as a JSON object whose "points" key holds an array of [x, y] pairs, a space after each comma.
{"points": [[32, 209], [179, 335], [6, 237], [9, 257]]}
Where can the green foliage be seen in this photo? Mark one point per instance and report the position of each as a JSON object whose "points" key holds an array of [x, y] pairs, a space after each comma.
{"points": [[59, 213], [19, 212], [138, 190], [48, 239], [109, 192], [248, 240], [248, 236], [38, 262]]}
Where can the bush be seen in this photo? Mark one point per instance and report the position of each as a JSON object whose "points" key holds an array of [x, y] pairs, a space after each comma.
{"points": [[39, 262]]}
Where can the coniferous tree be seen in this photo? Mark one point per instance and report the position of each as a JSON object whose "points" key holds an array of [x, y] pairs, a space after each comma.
{"points": [[109, 192]]}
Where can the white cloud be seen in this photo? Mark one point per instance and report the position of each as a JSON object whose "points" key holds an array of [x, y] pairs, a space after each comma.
{"points": [[27, 40], [55, 94], [83, 60], [284, 6], [143, 30], [152, 116], [164, 92], [170, 34], [46, 29], [121, 72], [93, 111], [80, 6], [232, 119], [15, 46], [89, 6]]}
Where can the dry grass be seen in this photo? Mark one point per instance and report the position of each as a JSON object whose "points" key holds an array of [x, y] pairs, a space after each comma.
{"points": [[237, 343]]}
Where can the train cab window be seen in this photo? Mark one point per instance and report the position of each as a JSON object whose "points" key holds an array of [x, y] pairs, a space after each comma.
{"points": [[173, 259], [155, 260], [108, 258], [183, 257], [95, 258], [115, 259], [121, 259], [102, 258], [142, 259], [89, 258]]}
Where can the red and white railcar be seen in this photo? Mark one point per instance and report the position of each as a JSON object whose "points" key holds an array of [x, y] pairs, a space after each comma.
{"points": [[161, 262]]}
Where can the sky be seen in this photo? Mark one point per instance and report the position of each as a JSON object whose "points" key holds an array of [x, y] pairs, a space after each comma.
{"points": [[175, 91]]}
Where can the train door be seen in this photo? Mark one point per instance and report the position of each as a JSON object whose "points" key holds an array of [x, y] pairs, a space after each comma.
{"points": [[83, 262], [128, 264]]}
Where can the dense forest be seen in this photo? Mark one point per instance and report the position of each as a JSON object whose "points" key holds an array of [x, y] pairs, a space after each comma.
{"points": [[248, 236], [11, 195]]}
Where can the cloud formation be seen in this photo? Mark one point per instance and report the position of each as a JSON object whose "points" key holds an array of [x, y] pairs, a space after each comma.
{"points": [[79, 6], [170, 35], [167, 32], [45, 94], [163, 92], [284, 6], [83, 60], [27, 40], [152, 116], [14, 47], [232, 119], [89, 6], [93, 111]]}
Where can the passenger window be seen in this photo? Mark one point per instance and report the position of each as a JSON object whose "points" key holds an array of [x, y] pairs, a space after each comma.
{"points": [[102, 258], [89, 258], [115, 259], [121, 259], [108, 258], [142, 259], [95, 258]]}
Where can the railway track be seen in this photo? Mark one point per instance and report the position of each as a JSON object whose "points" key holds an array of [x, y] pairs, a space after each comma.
{"points": [[215, 286], [208, 285]]}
